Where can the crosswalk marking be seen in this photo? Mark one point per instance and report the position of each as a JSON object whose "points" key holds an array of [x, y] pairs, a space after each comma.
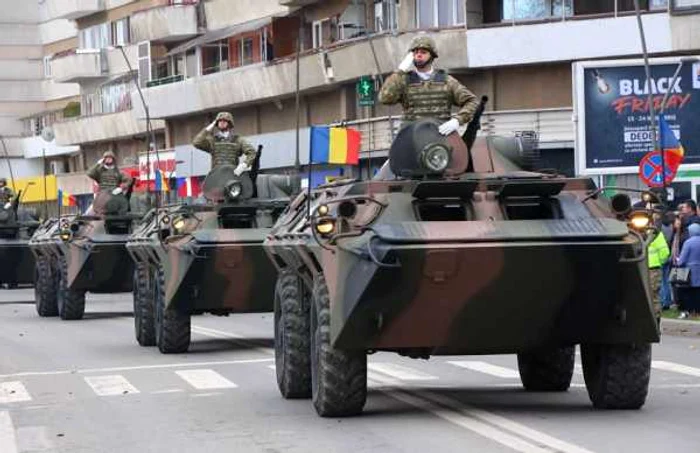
{"points": [[400, 372], [13, 392], [675, 367], [205, 379], [8, 439], [487, 368], [110, 385]]}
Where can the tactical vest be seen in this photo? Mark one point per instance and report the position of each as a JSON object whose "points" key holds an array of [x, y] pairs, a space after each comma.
{"points": [[226, 151], [658, 252], [427, 99], [5, 194], [109, 178]]}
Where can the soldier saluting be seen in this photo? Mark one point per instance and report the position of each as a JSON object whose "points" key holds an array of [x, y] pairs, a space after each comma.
{"points": [[426, 92], [107, 175], [225, 147]]}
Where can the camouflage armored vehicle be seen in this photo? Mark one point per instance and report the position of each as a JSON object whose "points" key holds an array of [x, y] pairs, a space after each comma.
{"points": [[456, 252], [198, 258], [16, 227], [80, 253]]}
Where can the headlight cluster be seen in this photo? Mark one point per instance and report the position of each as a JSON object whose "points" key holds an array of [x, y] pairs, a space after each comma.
{"points": [[640, 220], [234, 190], [326, 225], [179, 224], [435, 157]]}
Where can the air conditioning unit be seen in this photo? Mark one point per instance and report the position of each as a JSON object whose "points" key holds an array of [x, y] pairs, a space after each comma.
{"points": [[57, 167]]}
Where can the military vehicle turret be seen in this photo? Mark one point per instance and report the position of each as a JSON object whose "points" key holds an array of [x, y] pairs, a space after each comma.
{"points": [[206, 258], [16, 227], [457, 251], [76, 254]]}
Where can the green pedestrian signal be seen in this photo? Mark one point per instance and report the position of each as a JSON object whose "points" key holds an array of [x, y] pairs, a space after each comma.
{"points": [[365, 91]]}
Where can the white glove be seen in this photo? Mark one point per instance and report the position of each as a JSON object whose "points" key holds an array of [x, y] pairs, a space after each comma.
{"points": [[406, 63], [8, 205], [449, 127], [101, 161], [117, 191], [211, 126], [242, 167]]}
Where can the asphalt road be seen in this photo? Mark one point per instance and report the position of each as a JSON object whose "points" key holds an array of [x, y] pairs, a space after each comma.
{"points": [[86, 386]]}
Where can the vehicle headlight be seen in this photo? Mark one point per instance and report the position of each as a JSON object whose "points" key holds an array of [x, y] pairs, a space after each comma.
{"points": [[640, 221], [234, 190], [322, 210], [435, 157], [65, 235], [178, 224], [325, 226]]}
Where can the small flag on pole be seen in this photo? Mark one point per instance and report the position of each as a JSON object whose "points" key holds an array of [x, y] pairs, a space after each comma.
{"points": [[66, 199], [673, 150], [188, 187], [335, 145], [161, 182]]}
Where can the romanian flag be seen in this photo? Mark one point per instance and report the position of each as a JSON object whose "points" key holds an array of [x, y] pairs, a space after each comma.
{"points": [[673, 150], [335, 145], [161, 182], [188, 187], [66, 199]]}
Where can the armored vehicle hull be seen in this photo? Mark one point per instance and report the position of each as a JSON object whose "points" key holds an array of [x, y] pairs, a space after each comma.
{"points": [[16, 262], [80, 254], [495, 261]]}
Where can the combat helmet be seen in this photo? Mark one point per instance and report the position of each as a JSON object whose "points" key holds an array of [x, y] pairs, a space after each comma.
{"points": [[426, 43], [3, 181], [226, 116], [111, 154]]}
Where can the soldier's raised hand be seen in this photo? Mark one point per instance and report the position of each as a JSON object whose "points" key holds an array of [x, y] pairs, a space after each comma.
{"points": [[211, 126], [406, 63]]}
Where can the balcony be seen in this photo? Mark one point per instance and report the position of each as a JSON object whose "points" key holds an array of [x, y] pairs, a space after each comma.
{"points": [[97, 128], [73, 9], [79, 67], [164, 24], [255, 83], [297, 3], [554, 127]]}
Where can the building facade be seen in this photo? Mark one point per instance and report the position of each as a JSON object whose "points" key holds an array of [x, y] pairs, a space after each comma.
{"points": [[193, 58]]}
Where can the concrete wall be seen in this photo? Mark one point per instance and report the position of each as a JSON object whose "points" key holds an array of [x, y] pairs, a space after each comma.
{"points": [[29, 91], [101, 128], [21, 69], [685, 32], [57, 30], [19, 34], [169, 23], [223, 13], [115, 10]]}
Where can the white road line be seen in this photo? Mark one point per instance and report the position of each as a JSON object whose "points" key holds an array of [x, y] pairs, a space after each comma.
{"points": [[239, 339], [205, 379], [487, 368], [462, 418], [675, 367], [136, 367], [13, 392], [8, 440], [400, 372], [162, 392], [110, 385]]}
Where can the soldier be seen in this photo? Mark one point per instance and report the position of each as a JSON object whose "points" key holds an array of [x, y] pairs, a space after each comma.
{"points": [[427, 92], [6, 194], [107, 175], [225, 147]]}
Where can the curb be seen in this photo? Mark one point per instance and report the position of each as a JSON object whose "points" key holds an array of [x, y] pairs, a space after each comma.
{"points": [[680, 328]]}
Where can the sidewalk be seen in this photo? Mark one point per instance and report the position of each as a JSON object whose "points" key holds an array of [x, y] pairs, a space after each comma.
{"points": [[680, 327]]}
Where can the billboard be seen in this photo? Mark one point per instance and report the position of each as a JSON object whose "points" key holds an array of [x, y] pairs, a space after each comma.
{"points": [[611, 103]]}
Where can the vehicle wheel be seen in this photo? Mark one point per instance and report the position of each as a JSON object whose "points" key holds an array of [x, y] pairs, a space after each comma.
{"points": [[292, 337], [617, 376], [338, 377], [144, 314], [172, 326], [547, 369], [45, 289], [71, 303]]}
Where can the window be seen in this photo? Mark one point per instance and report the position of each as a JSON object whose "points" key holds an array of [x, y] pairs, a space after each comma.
{"points": [[351, 23], [47, 66], [317, 35], [214, 57], [246, 51], [680, 5], [385, 17], [536, 9], [439, 13], [95, 37], [120, 32]]}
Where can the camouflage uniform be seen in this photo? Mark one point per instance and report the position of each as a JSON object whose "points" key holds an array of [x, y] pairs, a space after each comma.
{"points": [[107, 178], [432, 98], [6, 194], [224, 150]]}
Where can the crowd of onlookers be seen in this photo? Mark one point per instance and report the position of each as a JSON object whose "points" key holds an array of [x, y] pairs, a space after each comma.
{"points": [[678, 251]]}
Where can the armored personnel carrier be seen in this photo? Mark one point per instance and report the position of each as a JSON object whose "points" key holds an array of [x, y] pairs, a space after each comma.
{"points": [[198, 258], [80, 253], [16, 227], [456, 251]]}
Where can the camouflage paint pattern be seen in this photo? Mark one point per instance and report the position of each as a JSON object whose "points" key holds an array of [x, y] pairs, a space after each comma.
{"points": [[224, 150], [485, 283]]}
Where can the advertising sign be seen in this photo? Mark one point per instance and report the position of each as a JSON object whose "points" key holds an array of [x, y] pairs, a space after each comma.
{"points": [[612, 110], [165, 161]]}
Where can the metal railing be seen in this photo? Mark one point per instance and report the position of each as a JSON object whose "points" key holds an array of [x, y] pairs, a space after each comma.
{"points": [[377, 133], [111, 99]]}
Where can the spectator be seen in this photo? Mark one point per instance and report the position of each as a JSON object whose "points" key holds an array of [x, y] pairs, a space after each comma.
{"points": [[657, 255], [689, 296], [666, 292]]}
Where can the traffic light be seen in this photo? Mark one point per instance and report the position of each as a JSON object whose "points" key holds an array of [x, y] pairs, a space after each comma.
{"points": [[365, 91]]}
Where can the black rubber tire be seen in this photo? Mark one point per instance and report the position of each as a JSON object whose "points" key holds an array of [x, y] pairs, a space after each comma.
{"points": [[45, 289], [144, 312], [292, 337], [617, 376], [173, 328], [338, 377], [71, 303], [547, 369]]}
